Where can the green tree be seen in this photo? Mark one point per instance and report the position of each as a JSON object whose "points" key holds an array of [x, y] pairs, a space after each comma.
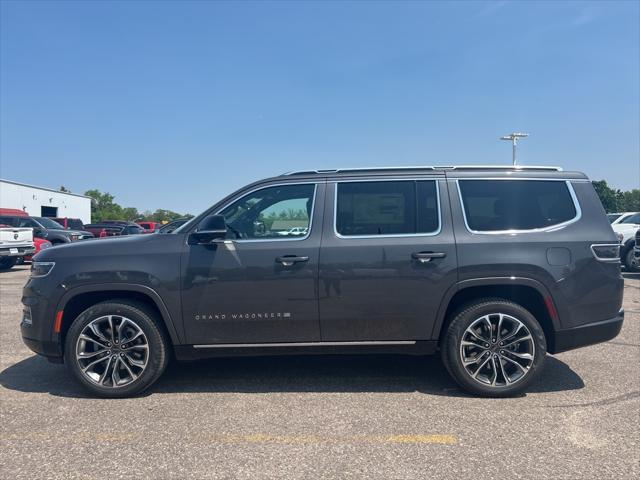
{"points": [[630, 201], [608, 196], [103, 207]]}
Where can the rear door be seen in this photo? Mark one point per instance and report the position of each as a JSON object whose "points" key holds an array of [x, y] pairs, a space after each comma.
{"points": [[388, 257]]}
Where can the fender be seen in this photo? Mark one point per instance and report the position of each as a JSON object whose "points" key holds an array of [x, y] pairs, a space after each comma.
{"points": [[128, 287], [484, 282]]}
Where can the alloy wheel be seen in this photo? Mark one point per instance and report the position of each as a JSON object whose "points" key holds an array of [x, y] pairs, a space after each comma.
{"points": [[497, 350], [112, 351]]}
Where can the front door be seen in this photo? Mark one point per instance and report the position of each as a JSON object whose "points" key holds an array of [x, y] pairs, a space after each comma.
{"points": [[388, 257], [260, 284]]}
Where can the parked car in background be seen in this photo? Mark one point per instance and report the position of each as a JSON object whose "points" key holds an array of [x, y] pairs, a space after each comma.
{"points": [[149, 227], [14, 243], [625, 227], [491, 266], [114, 228], [14, 212], [40, 244], [171, 226], [46, 228], [619, 217], [70, 223]]}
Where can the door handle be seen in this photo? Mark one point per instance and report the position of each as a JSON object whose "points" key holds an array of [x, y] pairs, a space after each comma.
{"points": [[424, 257], [289, 260]]}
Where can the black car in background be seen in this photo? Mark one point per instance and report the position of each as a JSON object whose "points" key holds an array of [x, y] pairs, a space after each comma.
{"points": [[46, 228]]}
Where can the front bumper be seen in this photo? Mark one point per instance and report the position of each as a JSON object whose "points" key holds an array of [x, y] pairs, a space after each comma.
{"points": [[589, 334], [36, 325], [19, 251]]}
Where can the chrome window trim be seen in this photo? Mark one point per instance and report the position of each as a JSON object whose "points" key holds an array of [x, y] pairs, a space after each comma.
{"points": [[262, 187], [549, 228], [392, 235], [605, 260]]}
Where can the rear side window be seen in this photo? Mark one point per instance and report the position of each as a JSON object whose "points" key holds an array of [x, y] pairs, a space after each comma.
{"points": [[495, 205], [387, 208]]}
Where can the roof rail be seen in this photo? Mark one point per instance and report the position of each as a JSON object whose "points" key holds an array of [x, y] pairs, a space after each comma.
{"points": [[417, 167]]}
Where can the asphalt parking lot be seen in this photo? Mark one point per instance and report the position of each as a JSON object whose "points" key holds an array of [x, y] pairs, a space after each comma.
{"points": [[322, 417]]}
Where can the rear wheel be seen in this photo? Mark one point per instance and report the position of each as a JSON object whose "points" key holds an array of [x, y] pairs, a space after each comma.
{"points": [[6, 263], [116, 348], [494, 348]]}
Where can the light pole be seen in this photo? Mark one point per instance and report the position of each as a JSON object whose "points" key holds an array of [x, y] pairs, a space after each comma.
{"points": [[513, 137]]}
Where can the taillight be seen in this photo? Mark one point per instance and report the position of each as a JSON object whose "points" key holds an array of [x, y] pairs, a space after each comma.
{"points": [[103, 233], [606, 252]]}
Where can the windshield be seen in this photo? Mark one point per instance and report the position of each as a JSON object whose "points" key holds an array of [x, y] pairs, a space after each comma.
{"points": [[48, 223], [613, 217]]}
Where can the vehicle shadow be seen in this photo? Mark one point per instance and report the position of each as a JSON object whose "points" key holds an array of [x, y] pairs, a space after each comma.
{"points": [[631, 275], [323, 373]]}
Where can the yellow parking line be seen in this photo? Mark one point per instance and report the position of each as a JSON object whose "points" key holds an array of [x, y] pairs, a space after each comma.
{"points": [[257, 438]]}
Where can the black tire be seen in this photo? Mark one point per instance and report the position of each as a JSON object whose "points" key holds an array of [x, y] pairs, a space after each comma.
{"points": [[146, 320], [629, 261], [7, 263], [451, 347]]}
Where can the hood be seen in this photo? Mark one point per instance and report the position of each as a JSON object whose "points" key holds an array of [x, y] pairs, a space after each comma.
{"points": [[121, 246]]}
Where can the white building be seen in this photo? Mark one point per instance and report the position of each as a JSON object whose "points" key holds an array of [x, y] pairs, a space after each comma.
{"points": [[44, 202]]}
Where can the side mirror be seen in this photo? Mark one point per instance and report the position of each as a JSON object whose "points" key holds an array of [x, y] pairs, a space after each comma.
{"points": [[212, 227]]}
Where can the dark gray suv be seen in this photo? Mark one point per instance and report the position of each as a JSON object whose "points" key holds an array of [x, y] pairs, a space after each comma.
{"points": [[491, 266]]}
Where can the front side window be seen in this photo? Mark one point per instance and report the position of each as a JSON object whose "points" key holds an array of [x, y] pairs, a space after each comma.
{"points": [[387, 208], [275, 213], [497, 205]]}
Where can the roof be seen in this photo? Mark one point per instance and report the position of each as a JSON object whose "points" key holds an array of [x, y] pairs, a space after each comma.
{"points": [[43, 188]]}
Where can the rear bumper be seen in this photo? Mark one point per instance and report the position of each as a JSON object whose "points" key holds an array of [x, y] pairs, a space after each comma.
{"points": [[21, 251], [587, 334]]}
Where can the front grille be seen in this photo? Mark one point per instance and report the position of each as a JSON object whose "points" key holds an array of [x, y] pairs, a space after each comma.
{"points": [[638, 237]]}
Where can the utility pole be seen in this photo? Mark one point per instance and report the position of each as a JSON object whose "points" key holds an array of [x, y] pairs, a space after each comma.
{"points": [[513, 138]]}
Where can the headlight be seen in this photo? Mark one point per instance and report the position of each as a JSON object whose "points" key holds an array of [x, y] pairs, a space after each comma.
{"points": [[41, 269], [620, 237]]}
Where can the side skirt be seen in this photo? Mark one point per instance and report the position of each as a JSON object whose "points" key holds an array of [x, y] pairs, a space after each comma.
{"points": [[409, 347]]}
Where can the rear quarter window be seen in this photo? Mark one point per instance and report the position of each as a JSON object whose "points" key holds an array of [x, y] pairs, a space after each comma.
{"points": [[497, 205]]}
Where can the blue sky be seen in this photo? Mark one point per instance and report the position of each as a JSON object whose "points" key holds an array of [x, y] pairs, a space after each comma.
{"points": [[175, 104]]}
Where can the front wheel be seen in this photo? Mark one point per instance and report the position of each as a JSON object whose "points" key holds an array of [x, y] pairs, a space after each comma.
{"points": [[116, 349], [494, 348]]}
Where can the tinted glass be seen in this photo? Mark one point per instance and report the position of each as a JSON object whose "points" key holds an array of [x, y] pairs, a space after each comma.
{"points": [[10, 221], [632, 219], [28, 222], [492, 205], [48, 223], [386, 208], [277, 212]]}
